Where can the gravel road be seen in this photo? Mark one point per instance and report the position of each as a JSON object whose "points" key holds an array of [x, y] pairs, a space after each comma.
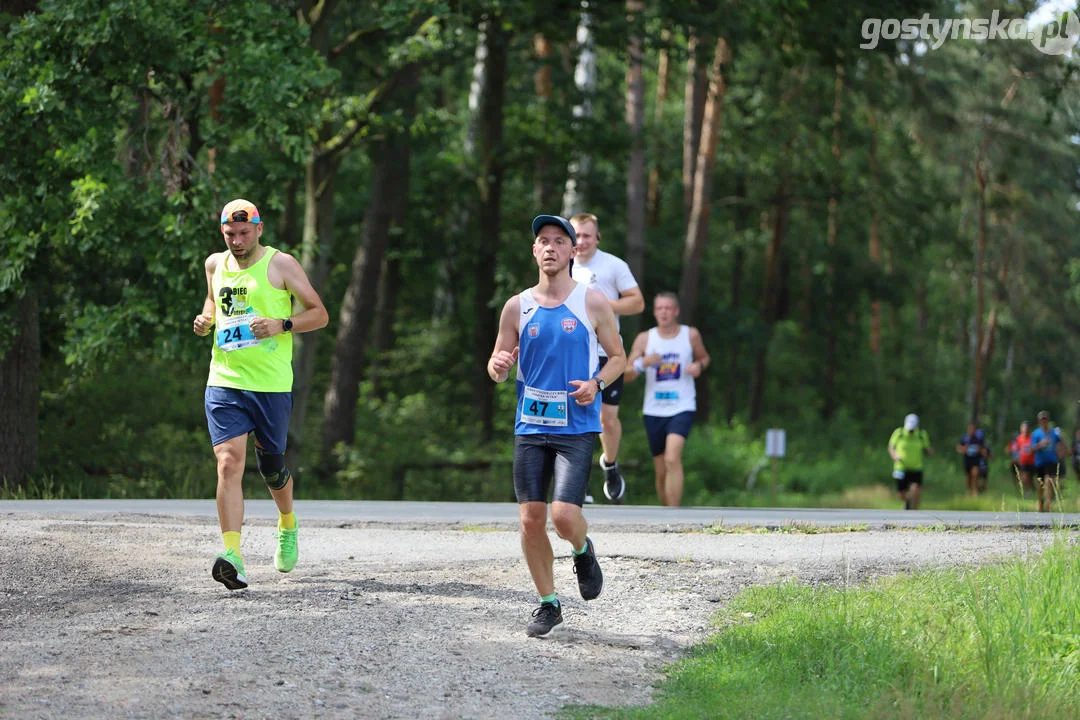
{"points": [[114, 615]]}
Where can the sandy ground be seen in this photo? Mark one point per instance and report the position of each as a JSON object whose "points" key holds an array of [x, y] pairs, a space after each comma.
{"points": [[117, 616]]}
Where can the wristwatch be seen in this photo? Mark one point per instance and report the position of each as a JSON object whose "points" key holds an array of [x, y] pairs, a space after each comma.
{"points": [[286, 324], [600, 384]]}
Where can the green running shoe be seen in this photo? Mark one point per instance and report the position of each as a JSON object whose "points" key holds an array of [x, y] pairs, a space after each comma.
{"points": [[285, 557], [229, 570]]}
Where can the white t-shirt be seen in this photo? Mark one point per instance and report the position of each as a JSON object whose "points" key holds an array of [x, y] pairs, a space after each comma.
{"points": [[606, 273], [669, 389]]}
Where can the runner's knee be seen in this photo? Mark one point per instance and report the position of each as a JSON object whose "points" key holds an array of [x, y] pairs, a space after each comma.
{"points": [[565, 520], [228, 463], [609, 422], [272, 468]]}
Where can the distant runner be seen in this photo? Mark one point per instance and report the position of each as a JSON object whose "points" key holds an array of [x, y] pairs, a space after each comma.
{"points": [[907, 446]]}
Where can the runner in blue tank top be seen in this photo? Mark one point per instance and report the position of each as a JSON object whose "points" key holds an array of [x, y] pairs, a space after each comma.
{"points": [[551, 331]]}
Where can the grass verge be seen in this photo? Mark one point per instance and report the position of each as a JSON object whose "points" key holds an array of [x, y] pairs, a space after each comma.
{"points": [[994, 642]]}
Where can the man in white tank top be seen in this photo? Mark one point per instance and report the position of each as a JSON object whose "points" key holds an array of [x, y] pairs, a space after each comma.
{"points": [[611, 276], [671, 356]]}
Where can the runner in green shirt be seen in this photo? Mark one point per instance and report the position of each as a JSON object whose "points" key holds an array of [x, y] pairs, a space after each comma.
{"points": [[907, 446], [250, 289]]}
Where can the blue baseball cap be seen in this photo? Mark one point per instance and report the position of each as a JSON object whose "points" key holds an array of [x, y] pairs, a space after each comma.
{"points": [[541, 220]]}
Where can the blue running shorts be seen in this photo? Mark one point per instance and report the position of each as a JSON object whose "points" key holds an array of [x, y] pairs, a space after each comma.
{"points": [[231, 413]]}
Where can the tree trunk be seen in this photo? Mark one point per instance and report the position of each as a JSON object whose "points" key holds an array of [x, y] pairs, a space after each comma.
{"points": [[742, 224], [1007, 384], [982, 346], [663, 73], [772, 295], [542, 85], [387, 202], [875, 236], [286, 227], [636, 183], [829, 400], [697, 230], [317, 235], [384, 336], [18, 8], [986, 348], [316, 247], [489, 185], [574, 198], [217, 98], [20, 368], [448, 288], [697, 83], [980, 298]]}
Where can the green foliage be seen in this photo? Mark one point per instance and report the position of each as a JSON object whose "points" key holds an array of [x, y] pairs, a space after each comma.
{"points": [[718, 461], [139, 433], [396, 457], [104, 182], [117, 159], [996, 642]]}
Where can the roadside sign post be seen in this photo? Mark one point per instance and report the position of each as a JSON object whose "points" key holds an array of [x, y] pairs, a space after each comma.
{"points": [[775, 445]]}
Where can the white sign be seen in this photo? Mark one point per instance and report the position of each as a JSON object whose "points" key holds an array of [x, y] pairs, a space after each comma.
{"points": [[775, 440]]}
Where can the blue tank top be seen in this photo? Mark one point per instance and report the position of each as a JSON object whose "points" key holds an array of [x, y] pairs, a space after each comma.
{"points": [[555, 345]]}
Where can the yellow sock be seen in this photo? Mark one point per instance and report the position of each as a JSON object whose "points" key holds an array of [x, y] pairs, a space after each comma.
{"points": [[286, 522], [232, 541]]}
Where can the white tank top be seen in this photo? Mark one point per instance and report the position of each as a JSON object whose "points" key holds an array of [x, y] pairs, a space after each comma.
{"points": [[669, 389]]}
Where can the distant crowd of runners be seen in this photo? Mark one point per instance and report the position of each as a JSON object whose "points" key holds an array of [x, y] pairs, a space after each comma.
{"points": [[1038, 459]]}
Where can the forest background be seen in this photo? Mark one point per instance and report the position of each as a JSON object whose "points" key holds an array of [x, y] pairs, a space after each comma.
{"points": [[858, 233]]}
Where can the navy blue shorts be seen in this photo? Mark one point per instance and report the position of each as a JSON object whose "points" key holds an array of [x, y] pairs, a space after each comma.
{"points": [[658, 428], [231, 413], [542, 458]]}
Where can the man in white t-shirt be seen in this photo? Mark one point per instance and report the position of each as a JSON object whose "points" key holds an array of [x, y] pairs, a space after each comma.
{"points": [[611, 276]]}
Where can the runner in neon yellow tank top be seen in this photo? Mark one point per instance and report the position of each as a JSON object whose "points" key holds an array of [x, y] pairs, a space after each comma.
{"points": [[250, 289]]}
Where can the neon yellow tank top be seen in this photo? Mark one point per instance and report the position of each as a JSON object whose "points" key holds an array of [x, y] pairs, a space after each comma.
{"points": [[238, 360]]}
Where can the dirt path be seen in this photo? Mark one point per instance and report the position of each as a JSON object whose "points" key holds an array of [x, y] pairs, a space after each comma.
{"points": [[116, 616]]}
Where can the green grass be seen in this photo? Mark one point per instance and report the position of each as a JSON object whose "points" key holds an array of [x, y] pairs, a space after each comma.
{"points": [[993, 642]]}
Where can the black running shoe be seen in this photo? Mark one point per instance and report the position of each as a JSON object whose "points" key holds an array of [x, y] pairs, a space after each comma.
{"points": [[590, 579], [228, 570], [546, 618], [614, 484]]}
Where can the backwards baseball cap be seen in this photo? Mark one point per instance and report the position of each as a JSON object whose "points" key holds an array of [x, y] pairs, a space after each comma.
{"points": [[541, 220], [911, 421], [240, 211]]}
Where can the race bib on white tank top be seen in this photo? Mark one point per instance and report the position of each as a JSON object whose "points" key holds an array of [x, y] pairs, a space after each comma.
{"points": [[669, 389]]}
